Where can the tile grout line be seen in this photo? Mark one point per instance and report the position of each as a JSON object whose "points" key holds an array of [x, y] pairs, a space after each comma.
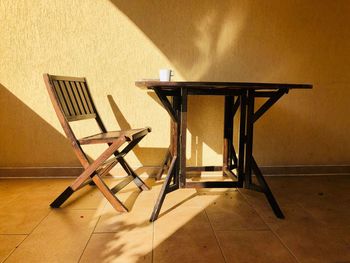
{"points": [[216, 238], [153, 230], [87, 242], [152, 254], [23, 234], [27, 235], [92, 232], [273, 232], [244, 230], [321, 222]]}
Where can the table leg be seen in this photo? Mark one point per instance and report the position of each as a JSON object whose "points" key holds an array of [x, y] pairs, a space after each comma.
{"points": [[173, 133], [249, 139], [242, 127], [171, 182], [229, 153], [166, 188], [164, 165], [228, 134], [266, 189], [250, 164], [233, 151], [183, 130]]}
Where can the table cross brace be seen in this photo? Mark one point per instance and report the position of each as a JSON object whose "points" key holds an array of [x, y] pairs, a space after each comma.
{"points": [[273, 98], [167, 105], [245, 163]]}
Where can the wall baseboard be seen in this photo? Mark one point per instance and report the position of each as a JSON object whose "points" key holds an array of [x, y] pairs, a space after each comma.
{"points": [[306, 170], [150, 171], [40, 172]]}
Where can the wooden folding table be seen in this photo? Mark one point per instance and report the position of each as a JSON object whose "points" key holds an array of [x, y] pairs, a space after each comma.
{"points": [[238, 96]]}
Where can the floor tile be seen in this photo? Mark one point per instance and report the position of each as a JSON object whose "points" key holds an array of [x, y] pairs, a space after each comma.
{"points": [[294, 215], [253, 246], [17, 218], [61, 237], [343, 233], [328, 208], [113, 221], [27, 202], [232, 212], [123, 247], [181, 219], [314, 243], [180, 197], [88, 197], [185, 235], [192, 222], [8, 244], [187, 248]]}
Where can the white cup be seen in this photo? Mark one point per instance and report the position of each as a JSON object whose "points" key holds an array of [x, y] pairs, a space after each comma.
{"points": [[165, 74]]}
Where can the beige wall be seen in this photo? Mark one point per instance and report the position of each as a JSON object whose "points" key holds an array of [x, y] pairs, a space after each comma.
{"points": [[113, 43]]}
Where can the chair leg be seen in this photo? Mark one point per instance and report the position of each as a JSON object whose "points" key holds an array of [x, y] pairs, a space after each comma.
{"points": [[112, 199], [68, 192], [137, 180], [62, 197], [120, 157], [97, 163], [88, 172], [140, 183]]}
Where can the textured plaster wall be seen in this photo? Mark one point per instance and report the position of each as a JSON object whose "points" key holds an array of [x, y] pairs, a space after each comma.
{"points": [[114, 43]]}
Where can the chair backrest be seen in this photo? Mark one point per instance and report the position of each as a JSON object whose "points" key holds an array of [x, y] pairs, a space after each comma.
{"points": [[74, 97], [72, 101]]}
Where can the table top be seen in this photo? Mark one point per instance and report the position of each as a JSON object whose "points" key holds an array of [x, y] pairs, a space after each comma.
{"points": [[175, 85]]}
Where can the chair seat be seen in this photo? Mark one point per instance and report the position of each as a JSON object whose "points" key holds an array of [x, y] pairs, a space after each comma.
{"points": [[110, 137]]}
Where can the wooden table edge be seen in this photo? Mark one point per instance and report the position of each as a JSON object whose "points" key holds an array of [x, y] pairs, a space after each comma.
{"points": [[150, 84]]}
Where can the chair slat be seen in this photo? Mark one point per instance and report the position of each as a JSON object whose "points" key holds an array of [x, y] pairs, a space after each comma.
{"points": [[81, 117], [87, 96], [72, 98], [53, 77], [82, 96], [61, 98], [77, 97], [66, 98]]}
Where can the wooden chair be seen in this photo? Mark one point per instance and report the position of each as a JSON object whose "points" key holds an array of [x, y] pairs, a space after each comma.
{"points": [[72, 101]]}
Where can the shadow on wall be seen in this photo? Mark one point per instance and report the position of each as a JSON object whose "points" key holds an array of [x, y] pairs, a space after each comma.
{"points": [[19, 124], [247, 41], [203, 42], [307, 125], [243, 40], [194, 37], [143, 154]]}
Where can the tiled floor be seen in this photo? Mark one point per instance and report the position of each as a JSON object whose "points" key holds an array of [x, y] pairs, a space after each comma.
{"points": [[212, 225]]}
